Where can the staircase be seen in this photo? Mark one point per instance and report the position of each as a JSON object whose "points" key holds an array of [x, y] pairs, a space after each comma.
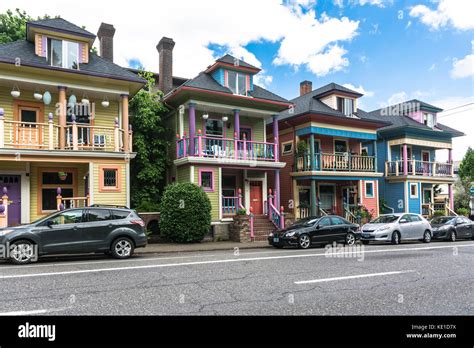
{"points": [[262, 228]]}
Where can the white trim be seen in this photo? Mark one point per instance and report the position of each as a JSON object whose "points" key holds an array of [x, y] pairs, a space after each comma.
{"points": [[265, 131], [265, 190], [282, 145], [181, 123], [219, 161], [362, 149], [91, 182], [191, 175], [416, 184], [340, 139], [24, 192], [373, 188], [127, 181], [219, 191]]}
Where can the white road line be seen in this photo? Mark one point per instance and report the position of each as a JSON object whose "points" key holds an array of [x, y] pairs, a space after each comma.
{"points": [[98, 270], [35, 311], [351, 277]]}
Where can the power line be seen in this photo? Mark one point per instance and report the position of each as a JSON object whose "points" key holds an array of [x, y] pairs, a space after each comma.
{"points": [[456, 112], [457, 107]]}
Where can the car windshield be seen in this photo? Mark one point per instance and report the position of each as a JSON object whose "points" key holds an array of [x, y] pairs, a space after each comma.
{"points": [[384, 219], [440, 220], [306, 222]]}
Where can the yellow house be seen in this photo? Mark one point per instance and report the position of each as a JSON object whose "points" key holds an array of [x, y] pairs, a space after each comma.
{"points": [[63, 121]]}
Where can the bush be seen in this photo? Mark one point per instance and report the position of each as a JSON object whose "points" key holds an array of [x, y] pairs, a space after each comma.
{"points": [[185, 213], [301, 148], [463, 211], [438, 213], [241, 212]]}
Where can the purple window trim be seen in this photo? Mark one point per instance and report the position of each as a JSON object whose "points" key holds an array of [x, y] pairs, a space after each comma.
{"points": [[213, 176]]}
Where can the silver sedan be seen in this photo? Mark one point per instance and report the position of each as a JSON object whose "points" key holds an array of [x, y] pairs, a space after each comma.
{"points": [[397, 227]]}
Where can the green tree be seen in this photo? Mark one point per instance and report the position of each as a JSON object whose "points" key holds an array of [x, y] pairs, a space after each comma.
{"points": [[151, 143], [466, 168], [465, 182], [13, 25]]}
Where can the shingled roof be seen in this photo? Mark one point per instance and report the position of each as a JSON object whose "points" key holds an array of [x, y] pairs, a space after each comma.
{"points": [[61, 25], [228, 59]]}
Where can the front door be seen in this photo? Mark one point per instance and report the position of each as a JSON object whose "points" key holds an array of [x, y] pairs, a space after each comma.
{"points": [[256, 197], [12, 183], [326, 196]]}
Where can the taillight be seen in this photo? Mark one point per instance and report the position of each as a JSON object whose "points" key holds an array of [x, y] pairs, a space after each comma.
{"points": [[138, 222]]}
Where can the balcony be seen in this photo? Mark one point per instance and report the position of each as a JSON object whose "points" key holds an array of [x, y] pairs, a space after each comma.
{"points": [[46, 136], [226, 149], [327, 162], [418, 168]]}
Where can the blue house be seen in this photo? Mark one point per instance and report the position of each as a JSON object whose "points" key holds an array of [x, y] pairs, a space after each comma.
{"points": [[407, 156]]}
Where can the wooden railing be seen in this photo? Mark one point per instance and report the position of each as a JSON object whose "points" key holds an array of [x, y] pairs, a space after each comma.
{"points": [[275, 215], [225, 148], [429, 209], [335, 162], [420, 168]]}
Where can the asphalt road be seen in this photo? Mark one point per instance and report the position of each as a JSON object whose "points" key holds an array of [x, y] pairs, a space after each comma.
{"points": [[407, 279]]}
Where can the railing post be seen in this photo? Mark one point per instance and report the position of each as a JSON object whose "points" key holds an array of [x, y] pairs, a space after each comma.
{"points": [[396, 169], [386, 168], [116, 135], [199, 143], [236, 146], [130, 138], [185, 148], [4, 209], [2, 128], [349, 157], [413, 163], [282, 217], [276, 155], [50, 132], [75, 145], [270, 202], [251, 223], [434, 168], [58, 199]]}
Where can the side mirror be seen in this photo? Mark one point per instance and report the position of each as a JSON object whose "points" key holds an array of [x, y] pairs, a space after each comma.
{"points": [[318, 227], [49, 223], [403, 221]]}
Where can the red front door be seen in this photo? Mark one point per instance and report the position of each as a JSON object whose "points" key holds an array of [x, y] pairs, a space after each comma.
{"points": [[256, 197]]}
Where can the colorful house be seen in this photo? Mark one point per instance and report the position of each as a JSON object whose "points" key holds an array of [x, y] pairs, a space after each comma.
{"points": [[328, 170], [406, 151], [222, 145], [64, 121]]}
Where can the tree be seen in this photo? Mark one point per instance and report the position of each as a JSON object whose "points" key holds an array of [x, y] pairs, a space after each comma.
{"points": [[466, 179], [13, 25], [185, 213], [151, 143], [466, 168]]}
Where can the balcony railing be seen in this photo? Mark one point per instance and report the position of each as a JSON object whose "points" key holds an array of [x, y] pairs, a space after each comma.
{"points": [[224, 148], [335, 162], [420, 168], [45, 136]]}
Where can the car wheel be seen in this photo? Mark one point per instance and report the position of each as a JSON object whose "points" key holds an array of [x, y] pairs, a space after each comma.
{"points": [[122, 248], [22, 252], [395, 238], [365, 242], [452, 236], [426, 237], [350, 238], [304, 242]]}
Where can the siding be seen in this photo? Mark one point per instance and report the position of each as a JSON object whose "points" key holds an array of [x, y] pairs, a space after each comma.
{"points": [[183, 174], [19, 166], [370, 203], [393, 194], [214, 196], [110, 198], [414, 203]]}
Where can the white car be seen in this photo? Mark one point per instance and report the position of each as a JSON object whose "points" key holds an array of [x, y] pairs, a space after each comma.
{"points": [[395, 228]]}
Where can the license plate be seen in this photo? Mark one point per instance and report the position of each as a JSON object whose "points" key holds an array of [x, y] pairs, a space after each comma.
{"points": [[366, 235], [276, 240]]}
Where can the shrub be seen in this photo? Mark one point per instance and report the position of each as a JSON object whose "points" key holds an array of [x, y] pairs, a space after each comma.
{"points": [[185, 213], [463, 211], [301, 148], [241, 212], [438, 213]]}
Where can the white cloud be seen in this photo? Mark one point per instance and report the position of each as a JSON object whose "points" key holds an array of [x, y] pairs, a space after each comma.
{"points": [[456, 13], [359, 89], [463, 67], [397, 98], [303, 39], [378, 3], [339, 3]]}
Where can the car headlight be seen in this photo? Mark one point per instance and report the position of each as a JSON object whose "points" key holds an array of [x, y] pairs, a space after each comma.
{"points": [[4, 232], [443, 228], [290, 234], [384, 228], [271, 234]]}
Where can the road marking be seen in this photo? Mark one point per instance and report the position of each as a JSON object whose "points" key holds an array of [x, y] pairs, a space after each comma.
{"points": [[98, 270], [351, 277], [35, 311]]}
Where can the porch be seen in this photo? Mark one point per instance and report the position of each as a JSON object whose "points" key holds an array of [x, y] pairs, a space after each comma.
{"points": [[418, 168], [331, 162]]}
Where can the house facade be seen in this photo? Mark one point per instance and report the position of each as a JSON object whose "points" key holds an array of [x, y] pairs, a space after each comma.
{"points": [[407, 150], [221, 138], [328, 170], [65, 139]]}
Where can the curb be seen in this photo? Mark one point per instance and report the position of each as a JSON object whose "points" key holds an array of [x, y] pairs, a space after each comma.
{"points": [[177, 249]]}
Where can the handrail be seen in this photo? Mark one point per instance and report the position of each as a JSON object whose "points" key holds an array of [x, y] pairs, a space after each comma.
{"points": [[352, 217], [451, 211], [274, 215], [323, 161], [418, 167], [389, 208]]}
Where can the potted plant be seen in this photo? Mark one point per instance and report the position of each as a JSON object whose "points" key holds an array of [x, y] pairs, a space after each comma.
{"points": [[62, 176], [301, 148]]}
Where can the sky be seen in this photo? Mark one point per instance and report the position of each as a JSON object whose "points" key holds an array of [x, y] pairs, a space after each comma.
{"points": [[389, 50]]}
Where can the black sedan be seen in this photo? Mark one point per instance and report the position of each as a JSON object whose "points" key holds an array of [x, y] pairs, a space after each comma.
{"points": [[316, 230], [452, 228]]}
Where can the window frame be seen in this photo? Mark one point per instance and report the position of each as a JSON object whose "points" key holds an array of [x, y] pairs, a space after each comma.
{"points": [[213, 178], [73, 186], [373, 189], [213, 135], [118, 186], [237, 75], [288, 152], [64, 53], [416, 195], [341, 140]]}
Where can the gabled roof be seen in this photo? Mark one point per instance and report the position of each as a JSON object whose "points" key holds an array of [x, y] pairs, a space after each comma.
{"points": [[229, 61], [96, 66], [60, 24]]}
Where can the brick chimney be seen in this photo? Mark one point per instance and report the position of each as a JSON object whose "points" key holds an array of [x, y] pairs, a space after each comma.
{"points": [[305, 87], [106, 39], [165, 51]]}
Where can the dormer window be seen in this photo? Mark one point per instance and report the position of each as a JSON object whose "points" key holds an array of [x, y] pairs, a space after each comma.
{"points": [[63, 54], [237, 82], [429, 119], [345, 105]]}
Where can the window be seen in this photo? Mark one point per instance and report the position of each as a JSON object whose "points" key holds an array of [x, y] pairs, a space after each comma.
{"points": [[338, 221], [340, 146], [237, 82], [287, 148], [364, 151], [48, 182], [96, 215], [67, 217], [214, 128], [429, 120], [63, 54], [120, 214], [324, 222], [206, 180], [369, 189], [415, 218], [414, 190], [345, 105], [110, 179]]}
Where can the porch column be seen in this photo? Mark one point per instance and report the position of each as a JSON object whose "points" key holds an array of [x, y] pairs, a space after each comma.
{"points": [[451, 196], [237, 123], [62, 116], [450, 160], [313, 198], [192, 127], [405, 159], [276, 136], [375, 155], [125, 124], [311, 152], [276, 202]]}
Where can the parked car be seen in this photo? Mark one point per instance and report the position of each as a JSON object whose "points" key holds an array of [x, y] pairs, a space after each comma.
{"points": [[395, 228], [452, 227], [99, 229], [316, 230]]}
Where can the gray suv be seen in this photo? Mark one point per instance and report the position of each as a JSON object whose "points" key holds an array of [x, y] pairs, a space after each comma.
{"points": [[397, 227], [100, 229]]}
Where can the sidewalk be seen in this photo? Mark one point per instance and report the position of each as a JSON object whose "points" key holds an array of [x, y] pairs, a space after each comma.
{"points": [[203, 246]]}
